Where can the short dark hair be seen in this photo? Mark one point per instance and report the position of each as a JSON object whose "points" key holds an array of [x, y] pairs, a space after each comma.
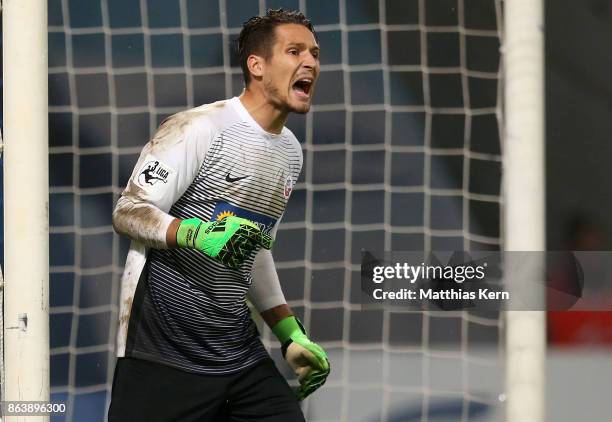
{"points": [[258, 37]]}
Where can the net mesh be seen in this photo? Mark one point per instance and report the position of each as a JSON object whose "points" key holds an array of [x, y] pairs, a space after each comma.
{"points": [[401, 152]]}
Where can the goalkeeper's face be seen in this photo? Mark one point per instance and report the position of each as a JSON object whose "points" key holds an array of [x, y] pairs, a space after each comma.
{"points": [[292, 70]]}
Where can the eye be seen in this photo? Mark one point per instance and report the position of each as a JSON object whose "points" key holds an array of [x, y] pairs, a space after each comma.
{"points": [[315, 54], [294, 52]]}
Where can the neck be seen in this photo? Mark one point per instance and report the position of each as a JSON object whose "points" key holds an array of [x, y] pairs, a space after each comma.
{"points": [[267, 115]]}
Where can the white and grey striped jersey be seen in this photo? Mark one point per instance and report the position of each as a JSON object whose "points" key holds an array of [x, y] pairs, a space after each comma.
{"points": [[178, 306]]}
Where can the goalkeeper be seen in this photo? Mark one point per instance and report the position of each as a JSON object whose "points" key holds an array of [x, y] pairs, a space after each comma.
{"points": [[202, 208]]}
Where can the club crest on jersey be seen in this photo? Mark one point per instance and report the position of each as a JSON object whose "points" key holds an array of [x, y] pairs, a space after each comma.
{"points": [[288, 187]]}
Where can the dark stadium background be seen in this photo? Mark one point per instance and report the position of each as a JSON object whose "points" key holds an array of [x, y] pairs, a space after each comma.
{"points": [[578, 124]]}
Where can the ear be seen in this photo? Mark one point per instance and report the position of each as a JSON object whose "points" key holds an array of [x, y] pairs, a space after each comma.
{"points": [[255, 65]]}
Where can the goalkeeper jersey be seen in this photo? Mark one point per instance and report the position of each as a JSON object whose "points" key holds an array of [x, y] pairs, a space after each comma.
{"points": [[178, 306]]}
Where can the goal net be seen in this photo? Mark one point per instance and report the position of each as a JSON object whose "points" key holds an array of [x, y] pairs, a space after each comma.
{"points": [[401, 152]]}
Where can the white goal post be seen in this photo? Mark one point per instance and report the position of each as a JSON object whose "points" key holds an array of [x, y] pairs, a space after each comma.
{"points": [[26, 187], [524, 199]]}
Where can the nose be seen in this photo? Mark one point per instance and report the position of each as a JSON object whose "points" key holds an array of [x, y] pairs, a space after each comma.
{"points": [[311, 62]]}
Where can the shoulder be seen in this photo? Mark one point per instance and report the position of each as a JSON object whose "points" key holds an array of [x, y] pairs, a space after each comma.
{"points": [[199, 124], [215, 116]]}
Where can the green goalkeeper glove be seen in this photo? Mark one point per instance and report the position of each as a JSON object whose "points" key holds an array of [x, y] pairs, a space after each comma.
{"points": [[229, 241], [307, 359]]}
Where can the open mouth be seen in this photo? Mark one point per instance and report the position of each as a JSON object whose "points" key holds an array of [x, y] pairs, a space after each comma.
{"points": [[302, 87]]}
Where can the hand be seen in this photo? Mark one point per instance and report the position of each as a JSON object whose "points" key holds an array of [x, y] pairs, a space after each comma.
{"points": [[309, 362], [229, 241], [307, 359]]}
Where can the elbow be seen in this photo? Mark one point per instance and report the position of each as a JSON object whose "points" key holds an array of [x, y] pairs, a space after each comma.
{"points": [[117, 222], [120, 219]]}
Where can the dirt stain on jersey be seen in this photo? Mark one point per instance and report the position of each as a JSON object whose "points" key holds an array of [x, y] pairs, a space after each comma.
{"points": [[174, 128], [136, 219], [125, 316]]}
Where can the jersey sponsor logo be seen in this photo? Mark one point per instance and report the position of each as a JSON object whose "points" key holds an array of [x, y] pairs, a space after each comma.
{"points": [[223, 210], [288, 187], [224, 214], [153, 175], [231, 179]]}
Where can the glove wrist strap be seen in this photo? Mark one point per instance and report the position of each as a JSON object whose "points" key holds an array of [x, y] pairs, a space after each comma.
{"points": [[187, 232], [287, 328]]}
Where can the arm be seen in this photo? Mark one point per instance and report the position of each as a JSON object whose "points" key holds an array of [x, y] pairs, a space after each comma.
{"points": [[274, 315], [145, 223], [265, 292], [307, 359], [166, 167]]}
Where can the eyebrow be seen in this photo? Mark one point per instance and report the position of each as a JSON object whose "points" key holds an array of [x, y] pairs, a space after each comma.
{"points": [[302, 45]]}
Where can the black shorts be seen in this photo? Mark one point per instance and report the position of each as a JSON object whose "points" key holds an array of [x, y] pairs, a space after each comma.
{"points": [[150, 391]]}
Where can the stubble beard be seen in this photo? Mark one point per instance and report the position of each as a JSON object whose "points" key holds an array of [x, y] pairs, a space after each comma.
{"points": [[273, 93], [305, 108]]}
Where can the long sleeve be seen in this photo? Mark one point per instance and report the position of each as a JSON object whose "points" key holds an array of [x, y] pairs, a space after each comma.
{"points": [[166, 167], [265, 291]]}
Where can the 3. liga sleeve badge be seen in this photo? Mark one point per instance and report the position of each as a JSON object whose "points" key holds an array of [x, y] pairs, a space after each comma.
{"points": [[153, 173]]}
